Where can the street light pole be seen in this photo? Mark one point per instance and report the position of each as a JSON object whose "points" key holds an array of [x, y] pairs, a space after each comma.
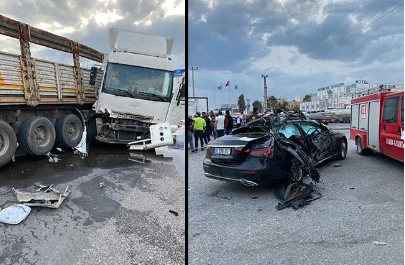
{"points": [[265, 92], [192, 80]]}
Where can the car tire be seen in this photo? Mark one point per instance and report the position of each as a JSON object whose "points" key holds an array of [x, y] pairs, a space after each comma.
{"points": [[69, 131], [8, 143], [342, 150], [360, 150], [37, 136], [296, 172]]}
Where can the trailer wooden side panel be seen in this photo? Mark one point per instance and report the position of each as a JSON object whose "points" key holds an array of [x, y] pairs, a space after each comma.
{"points": [[56, 82]]}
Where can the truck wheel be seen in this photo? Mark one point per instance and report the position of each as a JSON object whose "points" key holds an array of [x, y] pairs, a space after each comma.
{"points": [[362, 151], [8, 142], [92, 131], [37, 136], [342, 150], [69, 131]]}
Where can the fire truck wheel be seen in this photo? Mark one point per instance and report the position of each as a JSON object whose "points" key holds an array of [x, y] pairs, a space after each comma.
{"points": [[8, 142], [342, 150], [69, 131], [362, 151], [37, 136]]}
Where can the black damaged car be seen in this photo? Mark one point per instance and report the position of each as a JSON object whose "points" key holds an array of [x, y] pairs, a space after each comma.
{"points": [[276, 147]]}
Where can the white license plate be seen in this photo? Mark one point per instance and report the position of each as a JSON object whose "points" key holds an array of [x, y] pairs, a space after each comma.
{"points": [[222, 151]]}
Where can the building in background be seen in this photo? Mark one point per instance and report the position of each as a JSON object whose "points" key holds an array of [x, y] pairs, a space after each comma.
{"points": [[336, 96]]}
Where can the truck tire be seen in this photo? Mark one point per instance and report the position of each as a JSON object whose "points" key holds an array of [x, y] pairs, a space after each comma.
{"points": [[37, 136], [92, 131], [342, 150], [69, 131], [8, 143], [362, 151]]}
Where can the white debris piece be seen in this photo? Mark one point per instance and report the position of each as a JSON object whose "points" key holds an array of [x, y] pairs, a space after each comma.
{"points": [[14, 214], [53, 158], [379, 243], [81, 148]]}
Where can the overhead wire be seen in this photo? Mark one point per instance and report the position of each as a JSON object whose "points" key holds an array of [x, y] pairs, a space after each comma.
{"points": [[349, 37]]}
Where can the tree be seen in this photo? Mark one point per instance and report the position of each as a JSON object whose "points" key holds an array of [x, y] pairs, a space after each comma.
{"points": [[307, 98], [241, 103], [272, 102], [258, 105]]}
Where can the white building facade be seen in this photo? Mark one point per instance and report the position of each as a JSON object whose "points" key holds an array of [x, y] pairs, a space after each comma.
{"points": [[336, 96]]}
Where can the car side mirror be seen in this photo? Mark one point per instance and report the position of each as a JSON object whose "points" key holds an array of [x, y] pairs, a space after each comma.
{"points": [[93, 75]]}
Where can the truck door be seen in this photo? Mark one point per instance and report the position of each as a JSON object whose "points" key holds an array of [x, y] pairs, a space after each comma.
{"points": [[392, 126]]}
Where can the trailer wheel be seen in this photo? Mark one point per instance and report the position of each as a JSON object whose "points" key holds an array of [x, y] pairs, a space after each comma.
{"points": [[37, 135], [362, 151], [69, 131], [8, 142], [342, 150]]}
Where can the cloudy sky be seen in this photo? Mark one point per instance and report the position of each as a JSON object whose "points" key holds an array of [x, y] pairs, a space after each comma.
{"points": [[88, 22], [241, 40]]}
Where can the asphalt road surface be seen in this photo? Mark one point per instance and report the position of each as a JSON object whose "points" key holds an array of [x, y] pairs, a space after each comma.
{"points": [[363, 201], [126, 222]]}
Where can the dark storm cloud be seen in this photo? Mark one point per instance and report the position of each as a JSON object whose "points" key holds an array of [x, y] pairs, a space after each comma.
{"points": [[240, 40]]}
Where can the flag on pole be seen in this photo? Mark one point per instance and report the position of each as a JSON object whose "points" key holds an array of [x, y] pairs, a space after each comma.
{"points": [[236, 87], [220, 87], [227, 83]]}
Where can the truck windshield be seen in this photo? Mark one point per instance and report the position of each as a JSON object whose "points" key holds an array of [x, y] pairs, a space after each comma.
{"points": [[138, 82]]}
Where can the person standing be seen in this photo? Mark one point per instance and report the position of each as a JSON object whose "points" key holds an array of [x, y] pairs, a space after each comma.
{"points": [[213, 129], [228, 122], [238, 122], [255, 115], [220, 124], [190, 126], [207, 130], [199, 126]]}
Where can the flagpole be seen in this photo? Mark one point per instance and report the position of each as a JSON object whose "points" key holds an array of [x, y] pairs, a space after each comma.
{"points": [[222, 96], [215, 98]]}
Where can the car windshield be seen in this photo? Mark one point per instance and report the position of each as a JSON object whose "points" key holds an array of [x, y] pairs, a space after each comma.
{"points": [[138, 82]]}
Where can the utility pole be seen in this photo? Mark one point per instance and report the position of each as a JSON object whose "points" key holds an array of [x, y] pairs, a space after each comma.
{"points": [[192, 80], [265, 92], [248, 105]]}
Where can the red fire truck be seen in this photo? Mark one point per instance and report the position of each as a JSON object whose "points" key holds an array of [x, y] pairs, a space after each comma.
{"points": [[377, 123]]}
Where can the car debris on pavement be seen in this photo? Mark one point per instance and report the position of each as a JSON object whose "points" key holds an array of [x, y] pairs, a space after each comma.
{"points": [[53, 158], [44, 196], [14, 214], [296, 194]]}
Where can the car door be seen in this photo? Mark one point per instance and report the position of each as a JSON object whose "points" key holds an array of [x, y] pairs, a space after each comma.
{"points": [[392, 127], [319, 141]]}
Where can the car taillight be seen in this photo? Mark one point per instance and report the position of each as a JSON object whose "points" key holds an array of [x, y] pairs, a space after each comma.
{"points": [[263, 152], [238, 149]]}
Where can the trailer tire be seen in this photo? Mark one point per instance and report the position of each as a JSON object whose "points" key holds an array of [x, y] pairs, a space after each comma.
{"points": [[37, 136], [360, 150], [69, 131], [342, 150], [8, 143]]}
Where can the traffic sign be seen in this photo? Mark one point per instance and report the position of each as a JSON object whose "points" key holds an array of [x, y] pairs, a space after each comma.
{"points": [[179, 72]]}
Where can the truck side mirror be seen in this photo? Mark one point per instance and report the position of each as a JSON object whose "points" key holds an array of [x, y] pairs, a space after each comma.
{"points": [[182, 94], [93, 75]]}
